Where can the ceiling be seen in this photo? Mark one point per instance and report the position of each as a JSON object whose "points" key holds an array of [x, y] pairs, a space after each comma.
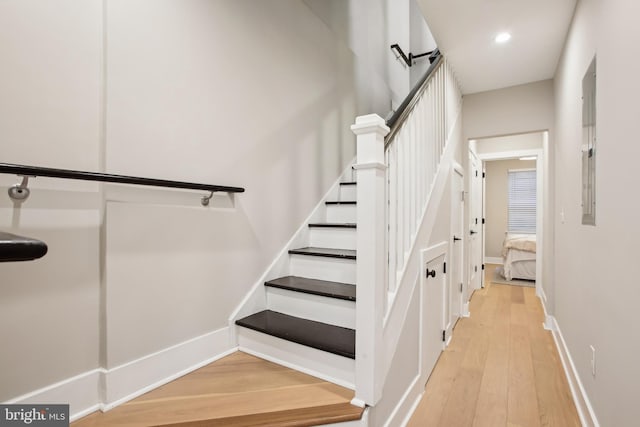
{"points": [[465, 31]]}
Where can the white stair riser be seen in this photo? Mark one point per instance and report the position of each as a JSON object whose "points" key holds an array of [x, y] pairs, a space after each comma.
{"points": [[342, 213], [323, 268], [348, 192], [313, 307], [337, 238], [327, 366]]}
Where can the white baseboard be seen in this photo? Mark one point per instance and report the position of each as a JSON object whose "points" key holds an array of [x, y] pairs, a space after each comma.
{"points": [[104, 389], [130, 380], [465, 310], [583, 405], [81, 392], [493, 260]]}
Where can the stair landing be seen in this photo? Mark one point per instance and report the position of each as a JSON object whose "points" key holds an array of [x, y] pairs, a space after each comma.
{"points": [[237, 390]]}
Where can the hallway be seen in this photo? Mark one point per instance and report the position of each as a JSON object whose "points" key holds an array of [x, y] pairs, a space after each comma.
{"points": [[500, 369]]}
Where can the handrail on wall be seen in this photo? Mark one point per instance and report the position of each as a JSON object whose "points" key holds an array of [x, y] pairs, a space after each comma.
{"points": [[401, 114], [21, 191]]}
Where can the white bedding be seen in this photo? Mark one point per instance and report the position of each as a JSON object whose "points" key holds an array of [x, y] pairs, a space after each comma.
{"points": [[518, 263]]}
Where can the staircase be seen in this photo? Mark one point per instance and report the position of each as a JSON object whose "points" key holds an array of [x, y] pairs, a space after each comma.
{"points": [[309, 321]]}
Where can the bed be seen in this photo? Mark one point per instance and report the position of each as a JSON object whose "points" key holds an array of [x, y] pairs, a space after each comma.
{"points": [[519, 256]]}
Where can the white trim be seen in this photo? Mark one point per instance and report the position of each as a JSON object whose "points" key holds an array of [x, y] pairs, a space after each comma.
{"points": [[465, 310], [132, 379], [358, 402], [581, 399], [371, 165], [493, 260], [79, 391], [503, 155], [407, 404]]}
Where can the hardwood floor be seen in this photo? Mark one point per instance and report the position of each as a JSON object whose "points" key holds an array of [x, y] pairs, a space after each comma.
{"points": [[500, 369], [238, 390]]}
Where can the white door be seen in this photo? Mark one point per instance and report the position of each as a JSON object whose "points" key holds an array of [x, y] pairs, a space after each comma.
{"points": [[475, 222], [455, 272], [432, 314]]}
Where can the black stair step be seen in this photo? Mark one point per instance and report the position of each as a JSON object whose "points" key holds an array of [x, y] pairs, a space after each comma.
{"points": [[342, 202], [349, 183], [334, 339], [323, 288], [333, 225], [325, 252]]}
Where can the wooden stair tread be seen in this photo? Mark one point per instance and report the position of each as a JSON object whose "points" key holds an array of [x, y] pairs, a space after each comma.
{"points": [[322, 336], [333, 225], [237, 390], [342, 202], [324, 288], [19, 248], [325, 252]]}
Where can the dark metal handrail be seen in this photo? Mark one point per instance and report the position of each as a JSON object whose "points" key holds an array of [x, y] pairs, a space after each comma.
{"points": [[401, 114], [22, 192]]}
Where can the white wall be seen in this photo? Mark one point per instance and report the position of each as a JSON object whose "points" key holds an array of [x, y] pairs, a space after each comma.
{"points": [[597, 270], [497, 203], [519, 110], [244, 93], [50, 116]]}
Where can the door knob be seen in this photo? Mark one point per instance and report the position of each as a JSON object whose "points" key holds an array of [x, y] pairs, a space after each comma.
{"points": [[431, 273], [472, 232], [455, 239]]}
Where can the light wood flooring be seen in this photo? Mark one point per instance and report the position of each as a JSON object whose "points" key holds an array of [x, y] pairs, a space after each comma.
{"points": [[238, 390], [500, 369]]}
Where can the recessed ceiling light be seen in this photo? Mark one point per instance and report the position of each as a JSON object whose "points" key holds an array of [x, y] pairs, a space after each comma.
{"points": [[503, 37]]}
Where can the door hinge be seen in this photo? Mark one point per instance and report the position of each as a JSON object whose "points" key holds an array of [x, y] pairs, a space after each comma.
{"points": [[460, 287], [462, 195], [444, 268], [483, 221], [483, 266], [476, 173], [476, 221], [444, 336], [483, 174], [475, 268]]}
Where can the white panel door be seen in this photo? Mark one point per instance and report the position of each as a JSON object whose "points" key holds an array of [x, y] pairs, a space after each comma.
{"points": [[456, 270], [432, 314], [475, 222]]}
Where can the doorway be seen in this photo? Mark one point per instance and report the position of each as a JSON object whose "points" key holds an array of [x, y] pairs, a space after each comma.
{"points": [[532, 149]]}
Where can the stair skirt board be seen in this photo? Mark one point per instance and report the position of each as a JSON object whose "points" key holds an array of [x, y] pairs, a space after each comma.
{"points": [[342, 213], [327, 237], [332, 311], [323, 268], [321, 364]]}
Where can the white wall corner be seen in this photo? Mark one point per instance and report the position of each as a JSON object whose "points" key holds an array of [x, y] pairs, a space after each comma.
{"points": [[581, 399]]}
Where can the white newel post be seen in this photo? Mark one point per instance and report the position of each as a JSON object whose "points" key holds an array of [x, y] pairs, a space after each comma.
{"points": [[370, 271]]}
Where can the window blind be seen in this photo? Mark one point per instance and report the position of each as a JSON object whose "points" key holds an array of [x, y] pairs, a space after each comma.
{"points": [[522, 201]]}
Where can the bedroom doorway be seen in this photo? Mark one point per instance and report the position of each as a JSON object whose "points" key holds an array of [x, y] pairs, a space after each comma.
{"points": [[518, 161]]}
